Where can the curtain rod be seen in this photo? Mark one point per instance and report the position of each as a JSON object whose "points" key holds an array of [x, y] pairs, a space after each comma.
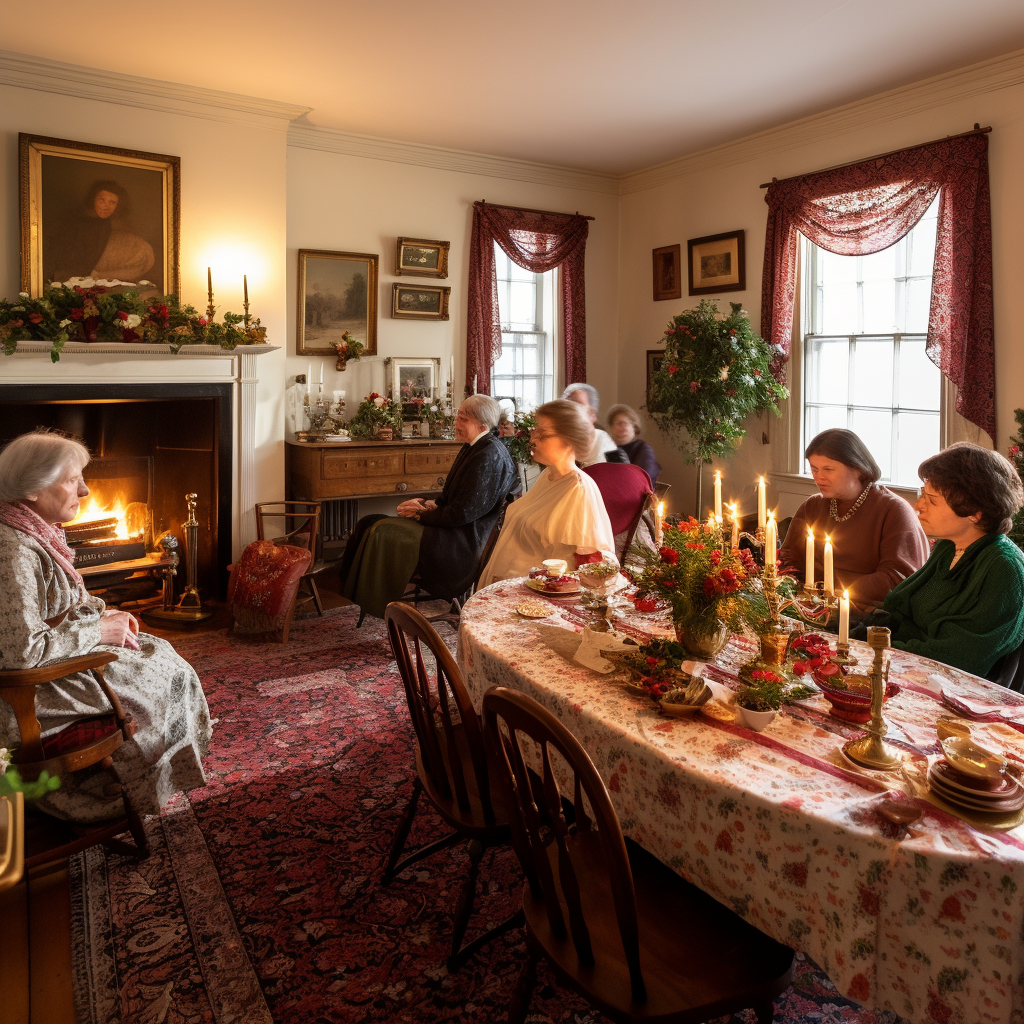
{"points": [[978, 130], [523, 209]]}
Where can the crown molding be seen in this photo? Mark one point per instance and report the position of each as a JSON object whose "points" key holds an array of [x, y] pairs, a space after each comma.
{"points": [[332, 140], [1003, 72], [44, 75]]}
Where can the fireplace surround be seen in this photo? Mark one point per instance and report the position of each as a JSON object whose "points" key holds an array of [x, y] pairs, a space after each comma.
{"points": [[193, 414]]}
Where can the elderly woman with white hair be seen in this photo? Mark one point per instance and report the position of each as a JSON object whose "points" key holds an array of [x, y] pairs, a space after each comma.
{"points": [[439, 541], [604, 449], [47, 615]]}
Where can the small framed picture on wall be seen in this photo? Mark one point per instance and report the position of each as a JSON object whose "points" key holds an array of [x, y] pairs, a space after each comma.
{"points": [[421, 257], [668, 273], [419, 302], [655, 357], [717, 263]]}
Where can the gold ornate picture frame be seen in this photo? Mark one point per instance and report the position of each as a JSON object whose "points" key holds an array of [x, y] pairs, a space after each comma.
{"points": [[421, 257], [717, 263], [337, 293], [419, 302], [98, 212]]}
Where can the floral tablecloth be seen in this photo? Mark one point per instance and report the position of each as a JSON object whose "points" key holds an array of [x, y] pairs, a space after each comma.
{"points": [[925, 920]]}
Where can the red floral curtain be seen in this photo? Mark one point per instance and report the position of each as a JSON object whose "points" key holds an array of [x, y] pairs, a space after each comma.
{"points": [[537, 242], [869, 206]]}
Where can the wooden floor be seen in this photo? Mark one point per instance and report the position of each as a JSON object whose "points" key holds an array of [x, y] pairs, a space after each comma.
{"points": [[35, 962]]}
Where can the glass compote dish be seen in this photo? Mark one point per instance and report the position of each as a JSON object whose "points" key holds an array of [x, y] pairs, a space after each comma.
{"points": [[600, 582]]}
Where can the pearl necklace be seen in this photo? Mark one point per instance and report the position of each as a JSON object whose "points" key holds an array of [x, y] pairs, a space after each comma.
{"points": [[833, 508]]}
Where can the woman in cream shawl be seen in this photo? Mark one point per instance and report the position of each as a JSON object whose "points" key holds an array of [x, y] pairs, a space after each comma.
{"points": [[562, 515]]}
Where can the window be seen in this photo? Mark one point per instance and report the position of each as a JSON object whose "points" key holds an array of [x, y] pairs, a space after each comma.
{"points": [[865, 366], [526, 369]]}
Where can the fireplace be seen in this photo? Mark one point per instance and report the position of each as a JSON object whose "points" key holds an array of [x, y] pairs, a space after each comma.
{"points": [[152, 443]]}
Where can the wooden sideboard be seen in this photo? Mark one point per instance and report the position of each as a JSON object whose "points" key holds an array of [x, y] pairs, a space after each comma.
{"points": [[367, 469]]}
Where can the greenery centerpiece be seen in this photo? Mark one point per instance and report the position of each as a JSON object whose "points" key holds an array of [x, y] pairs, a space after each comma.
{"points": [[346, 348], [710, 589], [518, 443], [374, 413], [1016, 454], [715, 373], [92, 313]]}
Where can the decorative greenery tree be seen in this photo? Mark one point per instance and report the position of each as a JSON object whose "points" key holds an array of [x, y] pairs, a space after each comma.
{"points": [[716, 372], [1016, 455]]}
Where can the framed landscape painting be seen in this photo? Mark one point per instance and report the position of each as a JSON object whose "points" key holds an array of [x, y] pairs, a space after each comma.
{"points": [[421, 257], [655, 357], [419, 302], [97, 213], [337, 293], [717, 263]]}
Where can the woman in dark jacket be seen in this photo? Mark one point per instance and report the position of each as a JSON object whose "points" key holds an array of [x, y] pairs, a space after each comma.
{"points": [[624, 426], [439, 541]]}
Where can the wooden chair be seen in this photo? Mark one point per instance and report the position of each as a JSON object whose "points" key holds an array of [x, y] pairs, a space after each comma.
{"points": [[1009, 670], [451, 766], [617, 926], [302, 530], [82, 744]]}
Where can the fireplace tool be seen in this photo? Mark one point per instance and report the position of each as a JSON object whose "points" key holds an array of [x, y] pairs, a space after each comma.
{"points": [[189, 610]]}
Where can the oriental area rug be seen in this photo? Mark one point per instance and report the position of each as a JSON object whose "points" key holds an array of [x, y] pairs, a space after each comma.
{"points": [[261, 902]]}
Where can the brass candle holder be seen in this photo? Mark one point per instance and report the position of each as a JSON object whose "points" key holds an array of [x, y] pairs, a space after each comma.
{"points": [[843, 655], [775, 638], [189, 610], [871, 751]]}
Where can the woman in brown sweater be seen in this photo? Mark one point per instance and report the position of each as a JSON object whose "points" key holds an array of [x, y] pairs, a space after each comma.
{"points": [[876, 538]]}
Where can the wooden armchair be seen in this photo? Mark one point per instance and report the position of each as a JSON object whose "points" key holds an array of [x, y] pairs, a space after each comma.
{"points": [[83, 743], [301, 525]]}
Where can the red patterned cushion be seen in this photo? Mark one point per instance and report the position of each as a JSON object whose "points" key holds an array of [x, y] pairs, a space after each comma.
{"points": [[263, 585], [79, 734]]}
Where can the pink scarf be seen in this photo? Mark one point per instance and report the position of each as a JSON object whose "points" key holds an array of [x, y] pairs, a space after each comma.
{"points": [[18, 516]]}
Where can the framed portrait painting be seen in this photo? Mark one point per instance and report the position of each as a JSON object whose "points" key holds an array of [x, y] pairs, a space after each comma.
{"points": [[717, 263], [99, 213], [421, 257], [668, 273], [337, 293], [419, 302], [413, 380]]}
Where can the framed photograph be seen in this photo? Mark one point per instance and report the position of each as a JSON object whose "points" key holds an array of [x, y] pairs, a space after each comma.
{"points": [[668, 272], [413, 381], [421, 257], [717, 263], [98, 212], [655, 357], [337, 293], [419, 302]]}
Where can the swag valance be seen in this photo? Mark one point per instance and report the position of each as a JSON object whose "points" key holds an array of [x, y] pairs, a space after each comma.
{"points": [[536, 241], [866, 207]]}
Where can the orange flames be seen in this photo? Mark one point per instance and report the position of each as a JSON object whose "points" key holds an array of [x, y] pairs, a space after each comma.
{"points": [[93, 511]]}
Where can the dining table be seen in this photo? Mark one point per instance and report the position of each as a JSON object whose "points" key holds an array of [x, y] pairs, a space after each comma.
{"points": [[924, 919]]}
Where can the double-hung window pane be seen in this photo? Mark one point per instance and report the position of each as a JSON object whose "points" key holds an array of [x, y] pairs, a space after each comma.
{"points": [[525, 370], [866, 368]]}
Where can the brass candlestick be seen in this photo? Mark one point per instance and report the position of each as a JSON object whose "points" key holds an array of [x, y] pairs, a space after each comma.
{"points": [[871, 750], [775, 637]]}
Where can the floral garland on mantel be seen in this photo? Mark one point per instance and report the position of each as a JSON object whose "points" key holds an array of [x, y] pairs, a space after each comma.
{"points": [[91, 312]]}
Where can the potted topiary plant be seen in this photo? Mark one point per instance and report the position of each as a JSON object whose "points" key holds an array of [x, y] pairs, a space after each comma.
{"points": [[759, 700]]}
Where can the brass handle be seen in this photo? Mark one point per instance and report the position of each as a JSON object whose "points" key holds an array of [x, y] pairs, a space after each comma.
{"points": [[440, 481], [403, 486]]}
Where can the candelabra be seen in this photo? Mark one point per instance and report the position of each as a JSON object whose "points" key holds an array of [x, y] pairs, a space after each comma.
{"points": [[775, 637], [323, 415], [871, 750]]}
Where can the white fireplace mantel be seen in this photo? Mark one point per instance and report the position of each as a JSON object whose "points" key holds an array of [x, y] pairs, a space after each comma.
{"points": [[113, 363]]}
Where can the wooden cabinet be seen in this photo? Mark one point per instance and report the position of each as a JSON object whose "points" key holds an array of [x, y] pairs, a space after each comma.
{"points": [[366, 469]]}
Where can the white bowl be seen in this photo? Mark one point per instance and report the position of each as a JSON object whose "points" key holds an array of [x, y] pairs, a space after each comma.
{"points": [[756, 720]]}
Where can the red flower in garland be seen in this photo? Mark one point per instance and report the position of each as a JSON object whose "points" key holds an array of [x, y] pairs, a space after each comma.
{"points": [[35, 317], [694, 546], [669, 556], [694, 384], [673, 370], [76, 313]]}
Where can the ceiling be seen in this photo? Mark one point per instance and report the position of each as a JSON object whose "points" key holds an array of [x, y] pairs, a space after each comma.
{"points": [[596, 84]]}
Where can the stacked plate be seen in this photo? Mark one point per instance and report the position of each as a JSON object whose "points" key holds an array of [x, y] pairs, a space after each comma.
{"points": [[975, 779]]}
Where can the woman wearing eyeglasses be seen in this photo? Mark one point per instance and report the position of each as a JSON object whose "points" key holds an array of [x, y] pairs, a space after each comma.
{"points": [[562, 515]]}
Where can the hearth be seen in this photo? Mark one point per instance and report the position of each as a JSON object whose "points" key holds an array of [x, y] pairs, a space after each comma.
{"points": [[151, 444]]}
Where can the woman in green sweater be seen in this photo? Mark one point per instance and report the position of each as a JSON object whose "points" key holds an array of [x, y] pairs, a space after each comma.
{"points": [[965, 606]]}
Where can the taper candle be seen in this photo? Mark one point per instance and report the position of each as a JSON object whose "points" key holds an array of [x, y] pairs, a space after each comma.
{"points": [[321, 375], [718, 494], [309, 380], [659, 515], [844, 618], [829, 581], [762, 503], [245, 288], [809, 562], [734, 515], [771, 538]]}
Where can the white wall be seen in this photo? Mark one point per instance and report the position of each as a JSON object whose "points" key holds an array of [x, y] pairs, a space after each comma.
{"points": [[355, 204], [233, 216], [718, 191]]}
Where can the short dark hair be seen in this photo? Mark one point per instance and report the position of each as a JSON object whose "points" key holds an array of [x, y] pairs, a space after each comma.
{"points": [[846, 447], [974, 479]]}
